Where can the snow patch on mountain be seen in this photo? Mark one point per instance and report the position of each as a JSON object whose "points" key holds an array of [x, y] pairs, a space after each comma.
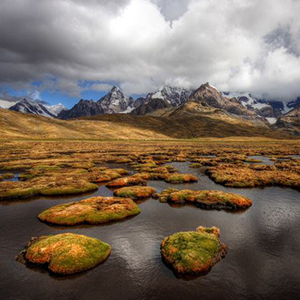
{"points": [[55, 109], [31, 107], [173, 95], [7, 103], [271, 120]]}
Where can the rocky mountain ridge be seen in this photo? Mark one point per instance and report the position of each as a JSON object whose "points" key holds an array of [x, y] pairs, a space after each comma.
{"points": [[167, 101]]}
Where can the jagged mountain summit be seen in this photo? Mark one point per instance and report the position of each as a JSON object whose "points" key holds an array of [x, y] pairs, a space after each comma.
{"points": [[38, 107], [84, 108], [166, 101], [165, 97], [26, 106], [114, 102], [175, 96], [207, 94]]}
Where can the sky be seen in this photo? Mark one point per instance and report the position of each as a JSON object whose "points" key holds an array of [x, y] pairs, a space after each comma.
{"points": [[65, 50]]}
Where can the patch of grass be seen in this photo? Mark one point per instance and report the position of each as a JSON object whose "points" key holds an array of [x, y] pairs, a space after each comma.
{"points": [[177, 178], [205, 199], [8, 176], [127, 181], [67, 253], [135, 192], [193, 252], [96, 210]]}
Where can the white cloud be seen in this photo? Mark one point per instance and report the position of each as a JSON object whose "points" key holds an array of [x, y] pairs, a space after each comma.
{"points": [[141, 44]]}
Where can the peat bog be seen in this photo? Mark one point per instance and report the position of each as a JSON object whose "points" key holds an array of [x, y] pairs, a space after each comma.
{"points": [[226, 184]]}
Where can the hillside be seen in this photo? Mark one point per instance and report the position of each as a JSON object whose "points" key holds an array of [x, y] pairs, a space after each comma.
{"points": [[124, 126], [29, 126], [290, 121], [192, 126]]}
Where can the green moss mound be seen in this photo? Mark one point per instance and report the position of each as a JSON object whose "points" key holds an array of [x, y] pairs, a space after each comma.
{"points": [[127, 181], [193, 252], [96, 210], [205, 199], [67, 253], [177, 178], [47, 186], [8, 176], [255, 175], [135, 192]]}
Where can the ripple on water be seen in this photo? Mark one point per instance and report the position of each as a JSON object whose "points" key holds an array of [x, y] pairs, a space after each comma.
{"points": [[262, 262]]}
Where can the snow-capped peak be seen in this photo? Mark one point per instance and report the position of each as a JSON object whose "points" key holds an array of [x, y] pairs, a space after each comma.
{"points": [[173, 95], [31, 107], [210, 85], [55, 109]]}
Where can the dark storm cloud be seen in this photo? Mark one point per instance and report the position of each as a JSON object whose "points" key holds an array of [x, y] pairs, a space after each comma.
{"points": [[141, 44]]}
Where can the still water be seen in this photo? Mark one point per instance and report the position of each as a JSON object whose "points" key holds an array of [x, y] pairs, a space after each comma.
{"points": [[263, 261]]}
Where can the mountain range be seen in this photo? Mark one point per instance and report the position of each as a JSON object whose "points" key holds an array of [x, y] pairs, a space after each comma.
{"points": [[36, 107], [169, 102]]}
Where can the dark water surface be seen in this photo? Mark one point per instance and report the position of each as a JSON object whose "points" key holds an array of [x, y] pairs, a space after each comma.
{"points": [[263, 261]]}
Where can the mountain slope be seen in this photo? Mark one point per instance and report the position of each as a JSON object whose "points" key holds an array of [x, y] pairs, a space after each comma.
{"points": [[150, 106], [82, 109], [192, 126], [207, 94], [55, 109], [30, 107], [290, 121], [28, 126]]}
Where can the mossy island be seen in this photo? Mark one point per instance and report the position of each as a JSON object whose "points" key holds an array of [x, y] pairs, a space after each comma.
{"points": [[205, 199], [66, 253], [127, 181], [44, 186], [193, 252], [254, 175], [96, 210], [135, 192], [177, 178]]}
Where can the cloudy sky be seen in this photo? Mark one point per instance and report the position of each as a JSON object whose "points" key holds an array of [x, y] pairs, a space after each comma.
{"points": [[63, 50]]}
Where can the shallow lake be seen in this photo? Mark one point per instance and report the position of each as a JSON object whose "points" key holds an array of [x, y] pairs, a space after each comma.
{"points": [[263, 260]]}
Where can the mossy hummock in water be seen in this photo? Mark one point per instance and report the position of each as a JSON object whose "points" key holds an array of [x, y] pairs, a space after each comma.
{"points": [[193, 252], [135, 192], [99, 175], [254, 175], [205, 199], [177, 178], [66, 253], [47, 186], [127, 181], [8, 176], [96, 210]]}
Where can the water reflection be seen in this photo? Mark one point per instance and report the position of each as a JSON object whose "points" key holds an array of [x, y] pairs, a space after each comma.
{"points": [[263, 259]]}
